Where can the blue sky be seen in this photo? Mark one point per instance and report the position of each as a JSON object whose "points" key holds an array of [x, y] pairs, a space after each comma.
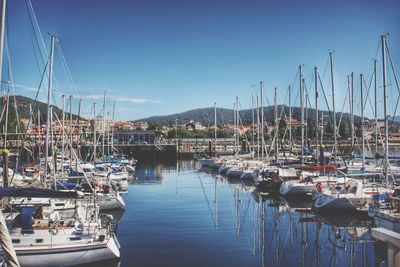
{"points": [[160, 57]]}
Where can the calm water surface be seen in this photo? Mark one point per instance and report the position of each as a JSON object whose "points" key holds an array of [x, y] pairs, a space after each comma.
{"points": [[177, 215]]}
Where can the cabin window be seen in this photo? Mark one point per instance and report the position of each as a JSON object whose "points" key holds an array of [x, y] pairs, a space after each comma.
{"points": [[75, 238], [60, 204], [39, 240], [16, 241]]}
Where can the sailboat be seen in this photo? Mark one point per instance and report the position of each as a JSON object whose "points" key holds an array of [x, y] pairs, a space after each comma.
{"points": [[352, 194], [44, 237]]}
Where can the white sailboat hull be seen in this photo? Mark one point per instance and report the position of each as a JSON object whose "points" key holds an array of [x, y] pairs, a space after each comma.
{"points": [[68, 255]]}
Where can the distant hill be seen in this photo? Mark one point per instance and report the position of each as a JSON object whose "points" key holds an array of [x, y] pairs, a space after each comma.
{"points": [[206, 115], [24, 103]]}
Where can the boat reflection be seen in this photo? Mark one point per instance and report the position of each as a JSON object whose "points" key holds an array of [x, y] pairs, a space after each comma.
{"points": [[272, 230], [286, 232]]}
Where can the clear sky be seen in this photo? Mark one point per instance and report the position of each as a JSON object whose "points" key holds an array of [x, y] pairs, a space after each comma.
{"points": [[160, 57]]}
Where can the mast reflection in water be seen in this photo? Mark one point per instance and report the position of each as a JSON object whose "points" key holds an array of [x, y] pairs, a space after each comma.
{"points": [[177, 215]]}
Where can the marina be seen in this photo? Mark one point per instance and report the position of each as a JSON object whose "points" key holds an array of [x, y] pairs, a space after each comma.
{"points": [[296, 163]]}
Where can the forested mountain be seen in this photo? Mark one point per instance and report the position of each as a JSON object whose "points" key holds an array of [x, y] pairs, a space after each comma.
{"points": [[206, 116]]}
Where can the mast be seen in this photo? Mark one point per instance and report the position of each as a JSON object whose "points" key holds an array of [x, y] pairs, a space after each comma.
{"points": [[2, 21], [290, 120], [306, 103], [104, 122], [215, 127], [322, 127], [112, 130], [52, 145], [386, 163], [276, 126], [46, 158], [376, 108], [39, 134], [258, 129], [302, 115], [333, 108], [262, 119], [316, 115], [6, 118], [79, 118], [94, 133], [108, 132], [234, 126], [62, 135], [352, 110], [252, 119], [5, 240], [362, 122], [71, 131]]}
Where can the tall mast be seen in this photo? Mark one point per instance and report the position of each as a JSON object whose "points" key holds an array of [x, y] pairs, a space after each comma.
{"points": [[2, 21], [79, 118], [71, 131], [386, 163], [112, 130], [215, 127], [39, 132], [276, 125], [252, 118], [104, 121], [362, 121], [234, 126], [322, 127], [290, 120], [306, 102], [94, 133], [5, 240], [376, 107], [108, 133], [46, 158], [6, 118], [302, 114], [62, 135], [52, 151], [258, 129], [333, 108], [316, 115], [262, 119], [352, 110]]}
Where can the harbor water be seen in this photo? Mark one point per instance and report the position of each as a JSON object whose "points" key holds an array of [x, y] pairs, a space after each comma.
{"points": [[178, 215]]}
